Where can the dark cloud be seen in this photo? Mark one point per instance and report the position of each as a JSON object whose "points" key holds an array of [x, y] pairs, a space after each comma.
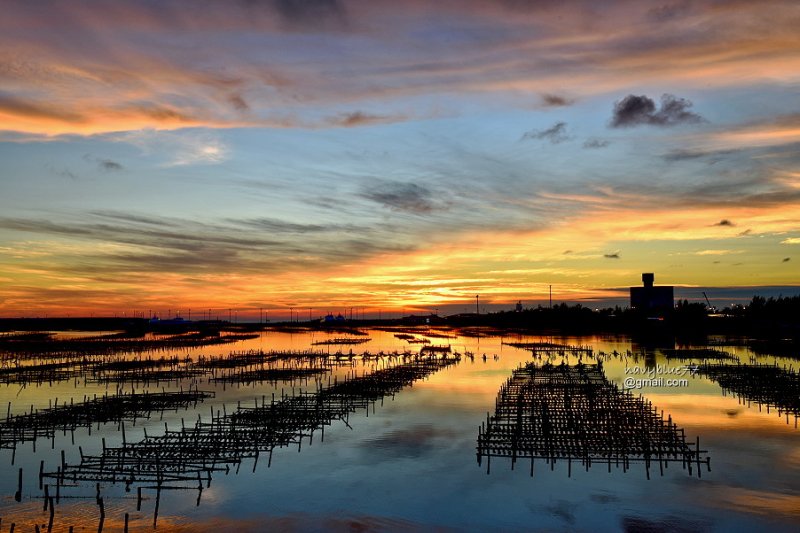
{"points": [[238, 103], [109, 165], [400, 196], [566, 252], [557, 133], [591, 144], [68, 174], [311, 14], [712, 156], [786, 259], [615, 255], [667, 12], [359, 118], [555, 100], [745, 232], [724, 223], [640, 110], [103, 164], [683, 155]]}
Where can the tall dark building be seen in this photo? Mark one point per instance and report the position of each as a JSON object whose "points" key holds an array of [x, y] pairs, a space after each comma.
{"points": [[652, 298]]}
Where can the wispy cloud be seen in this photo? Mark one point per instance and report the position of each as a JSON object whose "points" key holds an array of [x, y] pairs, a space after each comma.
{"points": [[774, 131], [556, 100], [143, 242], [177, 148], [10, 105], [360, 118], [710, 156], [311, 14], [718, 252], [555, 134], [593, 144]]}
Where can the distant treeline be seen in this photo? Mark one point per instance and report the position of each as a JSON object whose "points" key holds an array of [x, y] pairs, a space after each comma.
{"points": [[762, 317], [781, 309], [72, 323]]}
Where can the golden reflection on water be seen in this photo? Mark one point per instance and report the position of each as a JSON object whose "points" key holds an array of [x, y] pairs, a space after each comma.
{"points": [[465, 392]]}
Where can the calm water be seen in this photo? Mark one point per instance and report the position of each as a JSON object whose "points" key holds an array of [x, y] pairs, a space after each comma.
{"points": [[410, 463]]}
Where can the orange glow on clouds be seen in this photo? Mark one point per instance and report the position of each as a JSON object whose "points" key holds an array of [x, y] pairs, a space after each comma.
{"points": [[501, 267]]}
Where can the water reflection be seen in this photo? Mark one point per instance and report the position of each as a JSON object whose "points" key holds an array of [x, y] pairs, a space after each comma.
{"points": [[186, 458], [770, 386], [410, 463]]}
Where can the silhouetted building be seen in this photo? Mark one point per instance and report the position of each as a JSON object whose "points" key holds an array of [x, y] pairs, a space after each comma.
{"points": [[650, 297]]}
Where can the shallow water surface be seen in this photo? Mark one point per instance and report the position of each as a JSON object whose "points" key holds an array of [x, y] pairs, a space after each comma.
{"points": [[408, 460]]}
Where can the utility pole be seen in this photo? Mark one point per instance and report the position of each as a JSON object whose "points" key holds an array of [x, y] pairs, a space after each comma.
{"points": [[477, 304], [551, 296]]}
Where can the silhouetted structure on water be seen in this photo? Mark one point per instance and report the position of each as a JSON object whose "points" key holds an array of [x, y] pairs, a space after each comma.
{"points": [[572, 412]]}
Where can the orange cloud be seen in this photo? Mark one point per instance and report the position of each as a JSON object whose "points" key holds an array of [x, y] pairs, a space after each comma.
{"points": [[501, 266], [79, 69]]}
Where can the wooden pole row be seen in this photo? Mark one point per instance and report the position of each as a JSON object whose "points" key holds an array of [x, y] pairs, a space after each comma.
{"points": [[180, 457], [769, 386], [572, 412]]}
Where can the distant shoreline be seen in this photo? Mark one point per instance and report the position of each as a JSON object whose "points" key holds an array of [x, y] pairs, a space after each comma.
{"points": [[686, 323]]}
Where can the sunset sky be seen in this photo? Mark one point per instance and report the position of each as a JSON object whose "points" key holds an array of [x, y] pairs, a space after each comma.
{"points": [[384, 154]]}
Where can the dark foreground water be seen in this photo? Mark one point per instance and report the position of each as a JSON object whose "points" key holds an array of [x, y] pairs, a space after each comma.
{"points": [[409, 463]]}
